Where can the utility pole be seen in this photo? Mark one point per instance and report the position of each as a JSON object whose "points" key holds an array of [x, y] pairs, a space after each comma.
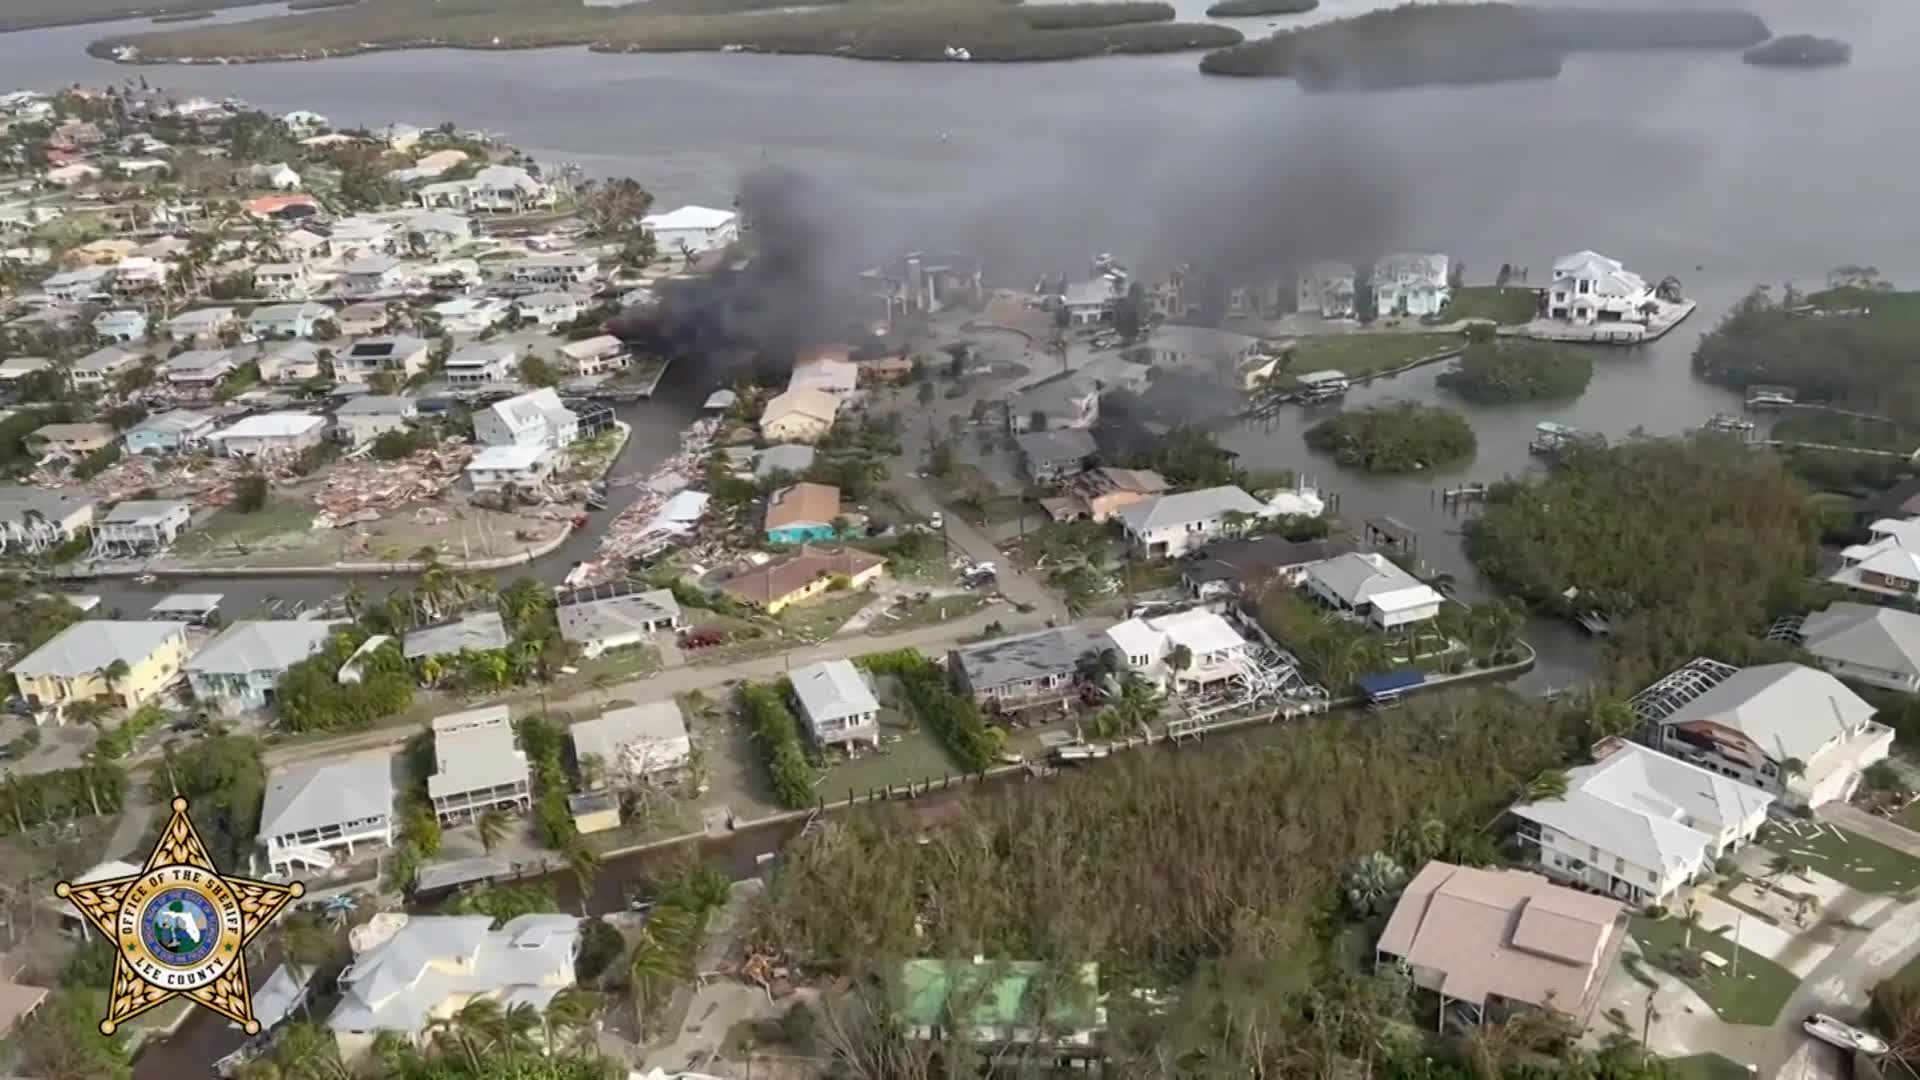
{"points": [[1738, 918]]}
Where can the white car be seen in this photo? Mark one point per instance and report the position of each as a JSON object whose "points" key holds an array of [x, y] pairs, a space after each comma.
{"points": [[937, 521]]}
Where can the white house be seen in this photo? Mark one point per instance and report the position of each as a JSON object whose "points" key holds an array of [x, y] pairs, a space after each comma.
{"points": [[1868, 643], [78, 285], [290, 362], [139, 274], [401, 355], [33, 520], [1588, 287], [1325, 289], [837, 703], [140, 527], [1215, 651], [636, 743], [94, 370], [1368, 585], [276, 177], [471, 314], [1413, 285], [364, 237], [548, 308], [239, 670], [601, 623], [1093, 302], [315, 808], [369, 416], [495, 467], [123, 325], [1638, 825], [1888, 564], [839, 378], [287, 320], [375, 274], [477, 765], [536, 418], [303, 124], [478, 365], [410, 970], [199, 369], [283, 281], [203, 324], [1169, 526], [799, 416], [495, 188], [1788, 729], [556, 270], [276, 434], [595, 355], [691, 230], [1070, 402]]}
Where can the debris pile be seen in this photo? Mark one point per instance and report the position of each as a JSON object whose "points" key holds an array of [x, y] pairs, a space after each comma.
{"points": [[353, 490], [207, 481], [630, 534]]}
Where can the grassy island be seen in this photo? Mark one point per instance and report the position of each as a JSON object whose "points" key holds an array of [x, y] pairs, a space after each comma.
{"points": [[1500, 372], [40, 14], [1230, 8], [1395, 438], [859, 29], [1431, 44], [1849, 347]]}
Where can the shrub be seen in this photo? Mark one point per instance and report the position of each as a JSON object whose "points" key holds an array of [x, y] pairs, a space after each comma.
{"points": [[1395, 438], [954, 718], [780, 747], [600, 946], [250, 493], [1503, 372]]}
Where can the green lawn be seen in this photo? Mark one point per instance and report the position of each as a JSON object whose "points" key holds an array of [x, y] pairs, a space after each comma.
{"points": [[1507, 305], [1755, 997], [1910, 817], [1365, 353], [1706, 1067], [819, 618], [930, 612], [229, 526], [917, 757], [1850, 858]]}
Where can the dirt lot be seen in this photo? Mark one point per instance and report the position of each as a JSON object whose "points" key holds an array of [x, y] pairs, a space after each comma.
{"points": [[282, 534]]}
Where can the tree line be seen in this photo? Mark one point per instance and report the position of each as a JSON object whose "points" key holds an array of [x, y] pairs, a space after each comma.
{"points": [[1501, 372], [1402, 437]]}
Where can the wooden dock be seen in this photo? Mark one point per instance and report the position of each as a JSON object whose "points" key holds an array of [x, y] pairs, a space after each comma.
{"points": [[646, 376], [1604, 333]]}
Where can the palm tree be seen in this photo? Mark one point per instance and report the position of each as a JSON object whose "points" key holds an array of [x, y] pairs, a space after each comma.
{"points": [[1549, 785], [1609, 717], [469, 1031], [1690, 917], [1804, 904], [113, 673], [570, 1017], [585, 864], [492, 827], [1180, 659], [1373, 879], [518, 1026], [593, 771], [1782, 866], [658, 962], [305, 943]]}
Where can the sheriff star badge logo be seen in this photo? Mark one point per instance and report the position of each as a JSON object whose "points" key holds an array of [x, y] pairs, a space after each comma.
{"points": [[179, 927]]}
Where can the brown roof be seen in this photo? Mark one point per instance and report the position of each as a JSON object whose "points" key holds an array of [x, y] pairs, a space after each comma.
{"points": [[1144, 481], [1470, 933], [803, 504], [776, 580], [17, 1001]]}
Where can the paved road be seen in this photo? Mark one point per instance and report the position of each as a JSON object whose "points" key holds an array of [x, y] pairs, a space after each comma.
{"points": [[1872, 826]]}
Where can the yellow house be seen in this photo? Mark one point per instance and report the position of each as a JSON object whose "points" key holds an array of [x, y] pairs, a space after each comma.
{"points": [[802, 576], [803, 416], [74, 666]]}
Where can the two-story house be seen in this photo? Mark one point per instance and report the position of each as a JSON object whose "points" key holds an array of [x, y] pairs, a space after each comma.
{"points": [[536, 418], [94, 371], [375, 275], [1026, 670], [83, 662], [1169, 526], [691, 230], [199, 369], [202, 324], [124, 325], [1638, 825], [634, 744], [556, 271], [1368, 585], [312, 809], [1187, 650], [1888, 564], [33, 520], [1326, 289], [1588, 287], [140, 527], [481, 364], [1868, 643], [239, 670], [401, 355], [477, 766], [287, 320], [283, 281], [1411, 285], [290, 362], [366, 417], [836, 703], [1790, 730]]}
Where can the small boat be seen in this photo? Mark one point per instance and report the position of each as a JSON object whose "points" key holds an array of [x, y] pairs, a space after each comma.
{"points": [[1551, 439], [1594, 623], [1728, 422], [1771, 398], [1079, 752], [1845, 1036]]}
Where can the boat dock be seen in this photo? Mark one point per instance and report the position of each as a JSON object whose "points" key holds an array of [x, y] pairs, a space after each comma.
{"points": [[1605, 333], [644, 379]]}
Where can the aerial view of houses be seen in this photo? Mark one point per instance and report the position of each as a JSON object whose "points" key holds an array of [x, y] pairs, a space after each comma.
{"points": [[451, 530]]}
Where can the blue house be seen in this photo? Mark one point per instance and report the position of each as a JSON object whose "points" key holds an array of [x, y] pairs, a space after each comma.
{"points": [[169, 432], [124, 325], [803, 512]]}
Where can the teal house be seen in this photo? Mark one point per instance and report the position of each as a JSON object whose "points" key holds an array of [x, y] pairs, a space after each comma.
{"points": [[803, 512]]}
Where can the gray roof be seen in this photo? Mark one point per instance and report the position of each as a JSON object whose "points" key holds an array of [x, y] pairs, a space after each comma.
{"points": [[277, 997], [175, 422], [1657, 810], [1787, 710], [294, 352], [831, 689], [637, 731], [1867, 635], [379, 405], [195, 603], [1183, 507], [139, 511], [596, 620], [93, 645], [430, 958], [17, 502], [482, 630], [783, 457], [1059, 395], [199, 360], [312, 794], [388, 347], [262, 645], [442, 875], [1026, 656], [1057, 446], [110, 358], [1357, 576]]}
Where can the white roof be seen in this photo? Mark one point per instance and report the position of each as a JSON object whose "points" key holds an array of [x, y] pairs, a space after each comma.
{"points": [[638, 738], [592, 619], [804, 401], [1787, 710], [429, 960], [1135, 638], [481, 630], [689, 217], [277, 425], [474, 750], [830, 689], [1200, 630], [506, 458], [1659, 811], [1865, 634], [1185, 507], [599, 345], [309, 795], [1610, 278], [88, 647], [262, 645], [1368, 577]]}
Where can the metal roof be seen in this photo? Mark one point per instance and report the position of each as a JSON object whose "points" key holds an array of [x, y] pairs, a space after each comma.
{"points": [[831, 689], [1185, 507], [315, 794], [91, 646], [262, 645]]}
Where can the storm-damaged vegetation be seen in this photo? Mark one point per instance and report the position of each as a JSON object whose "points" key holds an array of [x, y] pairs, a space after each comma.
{"points": [[861, 29], [1230, 8], [1423, 44]]}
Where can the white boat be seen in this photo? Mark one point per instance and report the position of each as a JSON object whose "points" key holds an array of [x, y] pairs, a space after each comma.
{"points": [[1845, 1036]]}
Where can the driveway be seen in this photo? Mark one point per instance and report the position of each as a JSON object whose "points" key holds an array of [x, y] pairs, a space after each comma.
{"points": [[1872, 826]]}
